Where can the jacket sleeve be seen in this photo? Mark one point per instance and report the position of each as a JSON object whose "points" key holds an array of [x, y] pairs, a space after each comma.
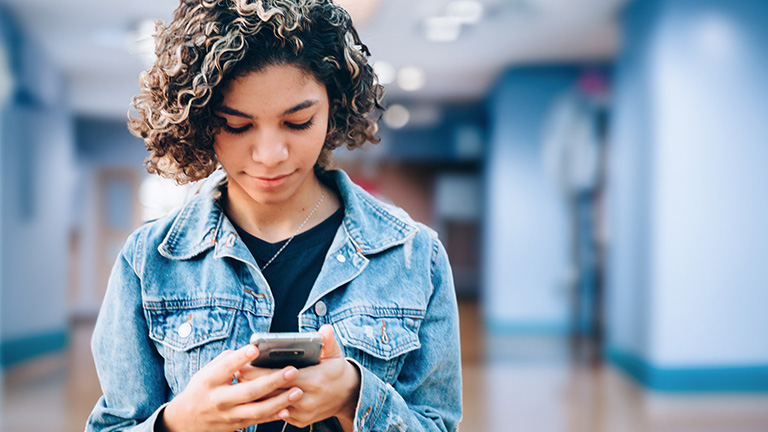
{"points": [[129, 367], [427, 393]]}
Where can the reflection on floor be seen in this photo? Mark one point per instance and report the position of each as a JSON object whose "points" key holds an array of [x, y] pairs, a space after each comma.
{"points": [[510, 384]]}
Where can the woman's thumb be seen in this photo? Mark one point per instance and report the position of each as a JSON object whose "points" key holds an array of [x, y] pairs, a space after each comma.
{"points": [[331, 348]]}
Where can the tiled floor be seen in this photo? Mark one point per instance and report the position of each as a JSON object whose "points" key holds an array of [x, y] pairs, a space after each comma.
{"points": [[518, 384]]}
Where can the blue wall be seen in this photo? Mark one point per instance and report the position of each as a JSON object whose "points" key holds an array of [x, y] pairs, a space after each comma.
{"points": [[689, 197], [525, 244], [38, 174]]}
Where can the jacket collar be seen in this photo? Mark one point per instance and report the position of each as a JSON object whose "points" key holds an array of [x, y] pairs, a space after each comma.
{"points": [[201, 224]]}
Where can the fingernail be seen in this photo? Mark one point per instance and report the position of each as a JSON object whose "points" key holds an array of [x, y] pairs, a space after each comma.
{"points": [[283, 414], [290, 373], [250, 351], [295, 395]]}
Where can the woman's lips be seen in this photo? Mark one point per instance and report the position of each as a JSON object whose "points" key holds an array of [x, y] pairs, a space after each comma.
{"points": [[270, 181]]}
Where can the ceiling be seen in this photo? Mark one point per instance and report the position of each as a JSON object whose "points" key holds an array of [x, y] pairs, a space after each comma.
{"points": [[87, 39]]}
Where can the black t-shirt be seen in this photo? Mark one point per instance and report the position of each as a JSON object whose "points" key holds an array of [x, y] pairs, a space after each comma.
{"points": [[292, 274]]}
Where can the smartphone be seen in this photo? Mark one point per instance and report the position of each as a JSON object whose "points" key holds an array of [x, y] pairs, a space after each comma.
{"points": [[277, 350]]}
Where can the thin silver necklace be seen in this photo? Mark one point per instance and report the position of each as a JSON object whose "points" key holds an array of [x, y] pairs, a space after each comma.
{"points": [[322, 195]]}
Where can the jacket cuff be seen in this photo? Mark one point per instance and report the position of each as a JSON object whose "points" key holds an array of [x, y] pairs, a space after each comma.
{"points": [[151, 422], [373, 394], [96, 424]]}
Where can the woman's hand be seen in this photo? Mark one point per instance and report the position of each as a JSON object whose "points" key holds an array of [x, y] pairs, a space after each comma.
{"points": [[330, 388], [210, 402]]}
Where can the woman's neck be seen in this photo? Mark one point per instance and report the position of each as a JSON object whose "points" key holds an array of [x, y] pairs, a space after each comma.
{"points": [[276, 222]]}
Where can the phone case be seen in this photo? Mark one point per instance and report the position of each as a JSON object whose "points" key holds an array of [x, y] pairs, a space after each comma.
{"points": [[277, 350]]}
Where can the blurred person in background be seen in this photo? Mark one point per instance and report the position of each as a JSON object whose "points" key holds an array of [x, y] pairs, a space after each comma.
{"points": [[254, 97]]}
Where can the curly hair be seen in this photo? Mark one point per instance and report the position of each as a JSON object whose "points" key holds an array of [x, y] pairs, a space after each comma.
{"points": [[210, 42]]}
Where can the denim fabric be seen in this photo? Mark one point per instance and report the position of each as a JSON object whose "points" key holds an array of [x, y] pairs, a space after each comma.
{"points": [[185, 288]]}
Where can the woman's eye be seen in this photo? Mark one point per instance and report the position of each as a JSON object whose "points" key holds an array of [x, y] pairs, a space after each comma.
{"points": [[300, 126], [236, 130]]}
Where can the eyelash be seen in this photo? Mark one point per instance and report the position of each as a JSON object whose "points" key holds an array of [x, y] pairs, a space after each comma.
{"points": [[302, 126], [293, 126], [236, 131]]}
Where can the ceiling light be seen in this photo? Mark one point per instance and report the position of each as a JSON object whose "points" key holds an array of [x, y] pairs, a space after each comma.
{"points": [[442, 29], [396, 116], [385, 72], [465, 11], [411, 78]]}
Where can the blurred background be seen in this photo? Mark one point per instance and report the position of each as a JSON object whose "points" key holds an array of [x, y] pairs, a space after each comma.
{"points": [[597, 169]]}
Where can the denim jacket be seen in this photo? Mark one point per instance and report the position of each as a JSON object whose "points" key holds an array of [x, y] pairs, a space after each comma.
{"points": [[185, 288]]}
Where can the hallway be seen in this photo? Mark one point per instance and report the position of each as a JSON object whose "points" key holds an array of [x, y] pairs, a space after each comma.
{"points": [[520, 384]]}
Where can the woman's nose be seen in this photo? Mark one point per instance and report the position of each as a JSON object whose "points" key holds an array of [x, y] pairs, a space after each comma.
{"points": [[269, 148]]}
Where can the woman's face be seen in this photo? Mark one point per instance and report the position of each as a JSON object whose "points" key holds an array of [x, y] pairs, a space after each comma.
{"points": [[276, 123]]}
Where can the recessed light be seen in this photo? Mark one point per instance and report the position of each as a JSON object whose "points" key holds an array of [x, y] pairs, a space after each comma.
{"points": [[411, 78], [385, 72], [396, 116]]}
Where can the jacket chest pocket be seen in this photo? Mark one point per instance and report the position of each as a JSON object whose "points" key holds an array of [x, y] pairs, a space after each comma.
{"points": [[379, 342], [188, 337]]}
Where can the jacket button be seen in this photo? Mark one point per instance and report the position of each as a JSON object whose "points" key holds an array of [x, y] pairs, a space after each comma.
{"points": [[184, 330], [341, 258], [320, 308]]}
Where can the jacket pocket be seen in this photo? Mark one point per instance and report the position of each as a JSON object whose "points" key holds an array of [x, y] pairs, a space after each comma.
{"points": [[189, 334], [184, 326], [379, 340]]}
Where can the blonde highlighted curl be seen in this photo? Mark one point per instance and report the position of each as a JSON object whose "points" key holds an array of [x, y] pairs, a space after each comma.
{"points": [[210, 42]]}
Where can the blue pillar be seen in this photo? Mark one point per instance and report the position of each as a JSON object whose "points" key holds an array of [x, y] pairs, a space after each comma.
{"points": [[688, 280]]}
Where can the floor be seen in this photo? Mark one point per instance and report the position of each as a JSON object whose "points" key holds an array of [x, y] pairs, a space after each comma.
{"points": [[510, 384]]}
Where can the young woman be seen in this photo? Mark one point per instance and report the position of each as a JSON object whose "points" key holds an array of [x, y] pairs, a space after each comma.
{"points": [[254, 95]]}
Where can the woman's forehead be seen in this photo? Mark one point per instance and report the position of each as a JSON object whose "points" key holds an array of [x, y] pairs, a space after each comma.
{"points": [[273, 90]]}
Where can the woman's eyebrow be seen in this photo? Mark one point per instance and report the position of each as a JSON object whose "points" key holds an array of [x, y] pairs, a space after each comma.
{"points": [[231, 111], [303, 105]]}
